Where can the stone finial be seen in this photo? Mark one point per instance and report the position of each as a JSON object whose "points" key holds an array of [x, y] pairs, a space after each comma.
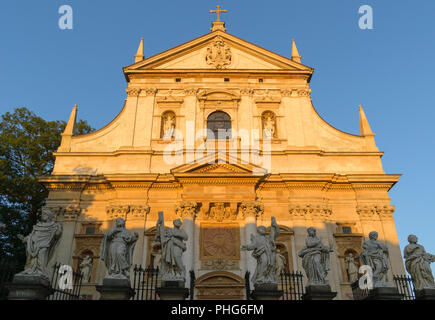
{"points": [[65, 144], [295, 54], [364, 126], [139, 56]]}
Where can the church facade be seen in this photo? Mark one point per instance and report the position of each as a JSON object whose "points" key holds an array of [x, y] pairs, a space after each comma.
{"points": [[222, 134]]}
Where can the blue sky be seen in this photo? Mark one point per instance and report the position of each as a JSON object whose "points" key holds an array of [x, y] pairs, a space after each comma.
{"points": [[389, 70]]}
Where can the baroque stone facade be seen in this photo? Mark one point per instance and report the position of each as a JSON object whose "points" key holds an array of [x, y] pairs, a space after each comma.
{"points": [[154, 156]]}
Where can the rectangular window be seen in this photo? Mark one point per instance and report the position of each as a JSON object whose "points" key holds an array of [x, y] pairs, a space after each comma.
{"points": [[347, 229], [90, 230]]}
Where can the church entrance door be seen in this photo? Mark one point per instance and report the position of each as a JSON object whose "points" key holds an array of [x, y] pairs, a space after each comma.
{"points": [[220, 285]]}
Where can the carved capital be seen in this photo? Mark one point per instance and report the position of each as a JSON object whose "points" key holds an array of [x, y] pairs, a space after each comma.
{"points": [[190, 91], [138, 211], [247, 92], [133, 92], [117, 211], [150, 91], [309, 211], [375, 212], [186, 209], [251, 209]]}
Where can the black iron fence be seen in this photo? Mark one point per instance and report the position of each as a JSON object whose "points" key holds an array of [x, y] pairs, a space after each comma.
{"points": [[65, 283], [291, 283], [404, 285], [145, 282], [8, 268]]}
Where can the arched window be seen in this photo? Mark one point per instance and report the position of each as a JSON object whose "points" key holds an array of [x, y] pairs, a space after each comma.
{"points": [[219, 125]]}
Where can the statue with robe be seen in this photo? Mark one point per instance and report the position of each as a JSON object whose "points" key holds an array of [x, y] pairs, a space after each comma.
{"points": [[168, 126], [263, 250], [375, 254], [417, 262], [281, 262], [269, 126], [117, 250], [351, 268], [40, 245], [315, 259], [172, 244], [86, 268]]}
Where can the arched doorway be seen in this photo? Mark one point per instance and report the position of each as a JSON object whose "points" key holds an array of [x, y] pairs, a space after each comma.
{"points": [[220, 285]]}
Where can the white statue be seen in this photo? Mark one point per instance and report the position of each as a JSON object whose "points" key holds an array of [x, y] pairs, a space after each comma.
{"points": [[315, 259], [281, 262], [171, 241], [375, 255], [85, 269], [263, 249], [417, 263], [269, 126], [168, 126], [40, 244], [351, 268], [117, 250]]}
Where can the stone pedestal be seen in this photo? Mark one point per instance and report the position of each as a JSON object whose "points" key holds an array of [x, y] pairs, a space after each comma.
{"points": [[266, 292], [27, 287], [384, 293], [115, 289], [172, 290], [321, 292], [425, 294]]}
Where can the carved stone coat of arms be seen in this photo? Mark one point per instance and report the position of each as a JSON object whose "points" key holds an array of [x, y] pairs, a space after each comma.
{"points": [[218, 54]]}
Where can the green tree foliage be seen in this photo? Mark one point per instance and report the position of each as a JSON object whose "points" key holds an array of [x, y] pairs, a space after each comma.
{"points": [[27, 143]]}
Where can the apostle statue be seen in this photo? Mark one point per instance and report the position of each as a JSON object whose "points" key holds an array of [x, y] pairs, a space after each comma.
{"points": [[281, 262], [315, 259], [417, 263], [40, 244], [168, 125], [263, 250], [86, 268], [351, 268], [269, 126], [117, 250], [172, 244], [375, 254]]}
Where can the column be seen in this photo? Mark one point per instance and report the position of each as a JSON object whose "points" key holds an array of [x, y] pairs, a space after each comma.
{"points": [[187, 211]]}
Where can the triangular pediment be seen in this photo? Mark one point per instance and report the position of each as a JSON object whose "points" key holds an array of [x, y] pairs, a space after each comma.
{"points": [[217, 50], [219, 164]]}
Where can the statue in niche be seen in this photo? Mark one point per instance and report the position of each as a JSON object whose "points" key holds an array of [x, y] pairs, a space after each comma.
{"points": [[117, 250], [315, 259], [417, 263], [375, 254], [168, 125], [40, 244], [86, 269], [269, 124], [172, 243], [264, 251], [281, 262], [351, 268]]}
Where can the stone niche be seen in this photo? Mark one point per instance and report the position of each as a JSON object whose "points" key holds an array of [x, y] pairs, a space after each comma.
{"points": [[220, 246]]}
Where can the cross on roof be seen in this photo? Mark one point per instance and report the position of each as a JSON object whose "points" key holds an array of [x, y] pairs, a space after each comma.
{"points": [[218, 11]]}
